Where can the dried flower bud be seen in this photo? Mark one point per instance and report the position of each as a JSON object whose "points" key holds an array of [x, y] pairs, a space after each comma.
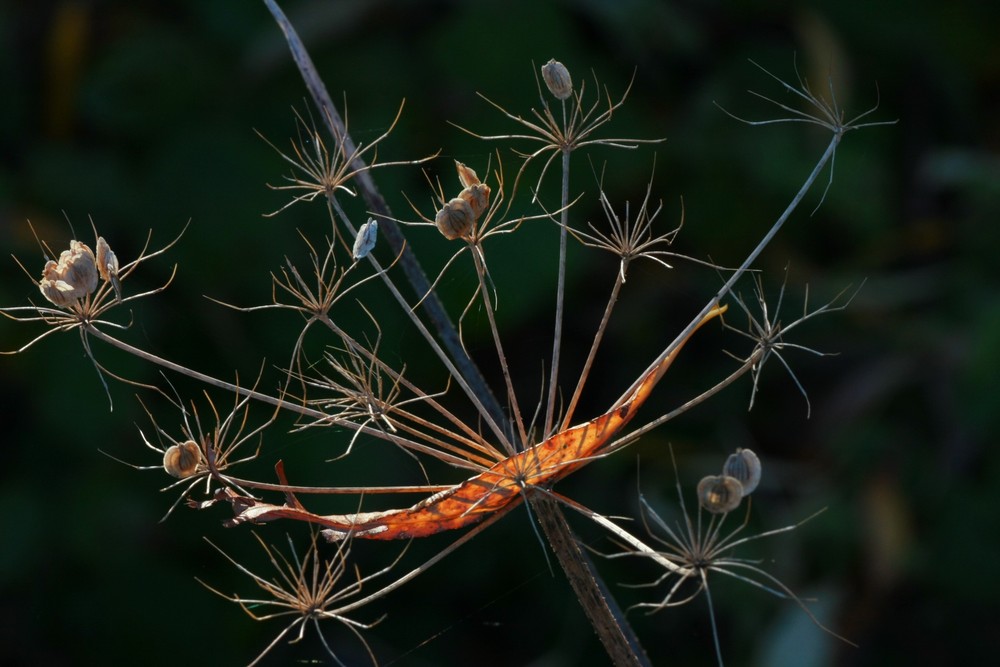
{"points": [[364, 242], [455, 219], [557, 79], [719, 493], [107, 266], [745, 467], [466, 175], [73, 277], [182, 460], [478, 197]]}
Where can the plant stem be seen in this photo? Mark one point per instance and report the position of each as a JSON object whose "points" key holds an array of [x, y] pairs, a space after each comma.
{"points": [[560, 296]]}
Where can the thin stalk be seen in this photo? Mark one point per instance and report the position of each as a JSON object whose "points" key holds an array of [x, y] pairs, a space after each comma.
{"points": [[612, 300], [560, 293], [488, 305]]}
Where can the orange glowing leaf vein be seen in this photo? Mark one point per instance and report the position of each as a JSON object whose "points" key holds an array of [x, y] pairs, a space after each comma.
{"points": [[496, 489]]}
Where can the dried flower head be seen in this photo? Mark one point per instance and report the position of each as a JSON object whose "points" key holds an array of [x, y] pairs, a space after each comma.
{"points": [[557, 79], [72, 278]]}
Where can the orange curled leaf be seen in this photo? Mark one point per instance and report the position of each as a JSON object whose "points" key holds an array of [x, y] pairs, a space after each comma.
{"points": [[497, 489]]}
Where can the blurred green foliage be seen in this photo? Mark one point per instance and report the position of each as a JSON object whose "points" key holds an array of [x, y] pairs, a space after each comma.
{"points": [[141, 116]]}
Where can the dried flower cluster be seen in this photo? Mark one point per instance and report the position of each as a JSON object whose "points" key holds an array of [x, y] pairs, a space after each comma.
{"points": [[505, 456]]}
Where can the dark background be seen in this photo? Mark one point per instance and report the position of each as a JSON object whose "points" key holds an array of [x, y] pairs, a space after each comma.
{"points": [[142, 116]]}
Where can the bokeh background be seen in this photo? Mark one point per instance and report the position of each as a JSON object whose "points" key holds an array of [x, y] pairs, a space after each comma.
{"points": [[143, 116]]}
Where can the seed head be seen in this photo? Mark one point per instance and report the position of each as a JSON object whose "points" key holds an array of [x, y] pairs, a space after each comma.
{"points": [[455, 219], [182, 460], [73, 277], [719, 494], [557, 79], [745, 467]]}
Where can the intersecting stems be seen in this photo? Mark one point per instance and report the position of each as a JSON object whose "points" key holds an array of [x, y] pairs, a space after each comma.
{"points": [[377, 205], [727, 287], [607, 618]]}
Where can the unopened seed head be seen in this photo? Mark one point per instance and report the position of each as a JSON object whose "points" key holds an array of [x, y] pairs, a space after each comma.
{"points": [[719, 494], [182, 460], [745, 467], [455, 219], [73, 277], [557, 79]]}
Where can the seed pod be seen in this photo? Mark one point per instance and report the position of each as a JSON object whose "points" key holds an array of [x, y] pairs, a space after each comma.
{"points": [[73, 277], [364, 242], [455, 219], [107, 266], [466, 175], [182, 460], [478, 197], [745, 467], [719, 493], [557, 79]]}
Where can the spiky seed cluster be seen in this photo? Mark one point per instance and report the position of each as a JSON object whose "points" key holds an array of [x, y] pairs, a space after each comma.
{"points": [[557, 79], [719, 494], [457, 218], [72, 278]]}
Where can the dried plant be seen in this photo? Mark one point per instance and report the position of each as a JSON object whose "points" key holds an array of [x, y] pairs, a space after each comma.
{"points": [[690, 551], [505, 455]]}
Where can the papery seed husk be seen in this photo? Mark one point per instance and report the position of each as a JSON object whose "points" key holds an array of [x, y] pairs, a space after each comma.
{"points": [[745, 467], [478, 197], [182, 460], [557, 79], [364, 242], [73, 277], [107, 266], [466, 175], [455, 219], [719, 494]]}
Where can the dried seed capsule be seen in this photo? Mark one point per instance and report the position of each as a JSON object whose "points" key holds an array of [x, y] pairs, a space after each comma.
{"points": [[364, 242], [719, 493], [455, 219], [73, 277], [478, 197], [745, 467], [466, 175], [182, 460], [107, 266], [557, 79]]}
